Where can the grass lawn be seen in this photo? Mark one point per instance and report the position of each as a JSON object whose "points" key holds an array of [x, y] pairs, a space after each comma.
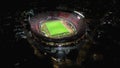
{"points": [[56, 27]]}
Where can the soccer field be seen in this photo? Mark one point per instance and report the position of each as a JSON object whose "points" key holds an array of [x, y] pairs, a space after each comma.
{"points": [[56, 27]]}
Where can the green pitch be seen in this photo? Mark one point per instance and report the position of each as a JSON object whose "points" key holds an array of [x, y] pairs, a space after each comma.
{"points": [[56, 27]]}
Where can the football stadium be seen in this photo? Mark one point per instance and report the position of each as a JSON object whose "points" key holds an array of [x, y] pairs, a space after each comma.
{"points": [[57, 29]]}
